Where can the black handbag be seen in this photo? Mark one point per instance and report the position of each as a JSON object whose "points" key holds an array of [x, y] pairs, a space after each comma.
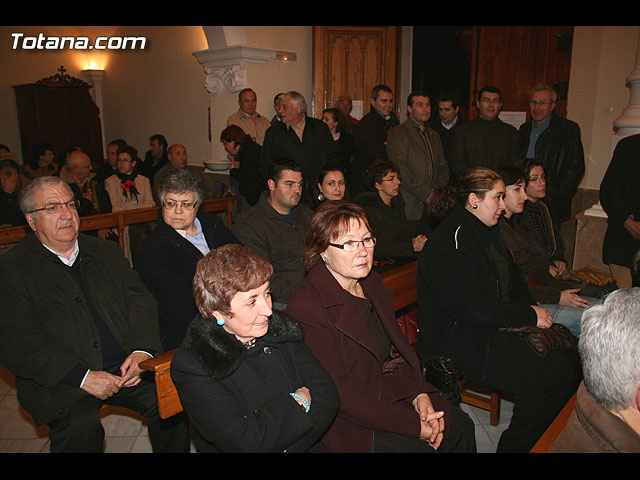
{"points": [[440, 372]]}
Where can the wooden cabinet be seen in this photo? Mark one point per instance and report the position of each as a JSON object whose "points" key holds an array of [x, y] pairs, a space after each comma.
{"points": [[59, 110], [352, 60]]}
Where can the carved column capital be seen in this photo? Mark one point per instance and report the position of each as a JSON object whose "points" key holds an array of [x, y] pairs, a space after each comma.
{"points": [[225, 67], [233, 77]]}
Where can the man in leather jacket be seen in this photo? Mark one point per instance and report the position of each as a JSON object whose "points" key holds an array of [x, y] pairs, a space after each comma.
{"points": [[555, 141]]}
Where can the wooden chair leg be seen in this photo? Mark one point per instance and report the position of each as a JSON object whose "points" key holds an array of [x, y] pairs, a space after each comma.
{"points": [[490, 403]]}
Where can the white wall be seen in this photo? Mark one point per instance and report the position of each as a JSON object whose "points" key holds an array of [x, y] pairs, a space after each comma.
{"points": [[602, 58]]}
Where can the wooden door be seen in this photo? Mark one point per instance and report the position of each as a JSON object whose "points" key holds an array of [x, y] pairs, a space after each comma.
{"points": [[515, 58], [353, 60]]}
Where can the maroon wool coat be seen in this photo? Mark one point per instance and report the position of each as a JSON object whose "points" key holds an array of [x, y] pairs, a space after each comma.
{"points": [[374, 394]]}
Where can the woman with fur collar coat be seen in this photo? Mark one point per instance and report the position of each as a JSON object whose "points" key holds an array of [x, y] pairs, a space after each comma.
{"points": [[248, 382]]}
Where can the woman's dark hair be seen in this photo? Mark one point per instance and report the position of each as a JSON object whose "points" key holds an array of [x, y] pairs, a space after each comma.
{"points": [[377, 171], [225, 271], [38, 150], [511, 174], [233, 133], [329, 167], [528, 164], [131, 151], [478, 180], [332, 218], [338, 116]]}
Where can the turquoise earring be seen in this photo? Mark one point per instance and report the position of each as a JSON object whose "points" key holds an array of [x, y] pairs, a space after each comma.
{"points": [[220, 321]]}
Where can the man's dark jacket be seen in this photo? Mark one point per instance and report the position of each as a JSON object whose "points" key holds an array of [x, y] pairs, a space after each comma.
{"points": [[620, 198], [369, 143], [282, 243], [315, 150], [167, 263], [559, 146], [47, 330], [480, 142]]}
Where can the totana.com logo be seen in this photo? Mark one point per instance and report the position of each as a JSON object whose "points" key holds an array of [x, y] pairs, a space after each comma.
{"points": [[42, 42]]}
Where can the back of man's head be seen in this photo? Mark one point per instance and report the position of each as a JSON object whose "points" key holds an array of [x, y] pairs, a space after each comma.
{"points": [[609, 348]]}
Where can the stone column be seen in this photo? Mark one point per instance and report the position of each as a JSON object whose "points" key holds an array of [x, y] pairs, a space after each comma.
{"points": [[226, 74]]}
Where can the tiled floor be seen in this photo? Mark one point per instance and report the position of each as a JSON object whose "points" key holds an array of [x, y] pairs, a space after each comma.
{"points": [[126, 432]]}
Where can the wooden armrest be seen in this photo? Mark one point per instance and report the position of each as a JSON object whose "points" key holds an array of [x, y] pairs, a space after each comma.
{"points": [[159, 363], [168, 400], [556, 427]]}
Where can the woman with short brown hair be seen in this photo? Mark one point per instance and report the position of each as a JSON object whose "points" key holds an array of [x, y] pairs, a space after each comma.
{"points": [[246, 380]]}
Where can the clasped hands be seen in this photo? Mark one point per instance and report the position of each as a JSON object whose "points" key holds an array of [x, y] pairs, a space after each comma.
{"points": [[431, 422], [103, 384]]}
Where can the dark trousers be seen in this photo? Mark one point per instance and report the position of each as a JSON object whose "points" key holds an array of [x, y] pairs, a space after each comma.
{"points": [[540, 386], [460, 439], [81, 431]]}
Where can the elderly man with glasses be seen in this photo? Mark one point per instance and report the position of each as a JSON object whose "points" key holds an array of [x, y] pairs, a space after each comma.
{"points": [[75, 323], [167, 259]]}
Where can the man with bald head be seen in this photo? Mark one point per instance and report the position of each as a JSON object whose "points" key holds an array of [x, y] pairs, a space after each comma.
{"points": [[178, 158], [90, 194]]}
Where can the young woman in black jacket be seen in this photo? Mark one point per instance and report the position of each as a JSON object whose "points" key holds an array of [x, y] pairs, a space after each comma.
{"points": [[468, 289]]}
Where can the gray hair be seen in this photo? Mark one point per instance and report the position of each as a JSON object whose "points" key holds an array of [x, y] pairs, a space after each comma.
{"points": [[541, 87], [297, 99], [37, 185], [181, 181], [609, 340]]}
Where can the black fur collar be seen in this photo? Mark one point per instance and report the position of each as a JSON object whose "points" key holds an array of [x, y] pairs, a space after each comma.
{"points": [[220, 353]]}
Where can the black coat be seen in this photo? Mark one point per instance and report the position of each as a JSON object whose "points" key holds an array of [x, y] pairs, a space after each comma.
{"points": [[464, 297], [560, 148], [167, 263], [370, 143], [250, 176], [238, 399], [47, 332], [620, 198], [315, 150]]}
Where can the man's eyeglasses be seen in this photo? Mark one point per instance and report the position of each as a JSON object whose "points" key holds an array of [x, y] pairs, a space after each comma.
{"points": [[172, 204], [56, 207], [352, 245], [542, 103]]}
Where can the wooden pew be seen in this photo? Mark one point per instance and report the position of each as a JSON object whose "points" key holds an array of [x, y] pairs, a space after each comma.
{"points": [[119, 220], [402, 281], [556, 427]]}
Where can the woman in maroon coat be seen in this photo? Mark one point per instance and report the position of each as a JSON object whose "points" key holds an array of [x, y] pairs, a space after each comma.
{"points": [[348, 317]]}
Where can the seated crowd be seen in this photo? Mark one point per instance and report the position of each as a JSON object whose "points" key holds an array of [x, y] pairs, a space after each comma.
{"points": [[285, 335]]}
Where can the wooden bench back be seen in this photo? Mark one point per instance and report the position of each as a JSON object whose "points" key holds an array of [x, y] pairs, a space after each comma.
{"points": [[119, 220]]}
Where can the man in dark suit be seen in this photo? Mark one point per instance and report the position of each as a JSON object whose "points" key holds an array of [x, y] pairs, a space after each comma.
{"points": [[417, 151], [75, 323], [303, 139]]}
